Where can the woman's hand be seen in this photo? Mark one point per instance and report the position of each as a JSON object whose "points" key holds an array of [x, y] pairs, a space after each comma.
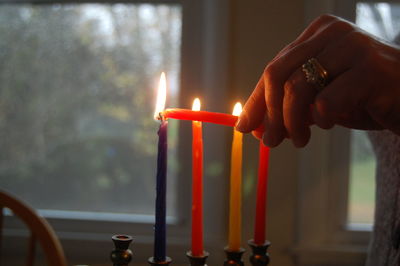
{"points": [[363, 89]]}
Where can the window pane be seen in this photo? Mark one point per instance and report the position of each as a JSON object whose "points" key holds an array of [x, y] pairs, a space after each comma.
{"points": [[77, 85], [382, 20], [362, 179], [379, 19]]}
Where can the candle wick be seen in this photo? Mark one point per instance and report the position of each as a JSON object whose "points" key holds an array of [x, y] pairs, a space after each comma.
{"points": [[161, 116]]}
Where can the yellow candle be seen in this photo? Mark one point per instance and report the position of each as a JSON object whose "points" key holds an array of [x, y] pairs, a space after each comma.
{"points": [[235, 219]]}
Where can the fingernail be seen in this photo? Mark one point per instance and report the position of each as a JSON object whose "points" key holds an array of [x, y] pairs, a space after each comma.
{"points": [[241, 123]]}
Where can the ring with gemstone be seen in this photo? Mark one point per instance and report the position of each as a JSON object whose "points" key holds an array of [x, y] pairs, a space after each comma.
{"points": [[315, 73]]}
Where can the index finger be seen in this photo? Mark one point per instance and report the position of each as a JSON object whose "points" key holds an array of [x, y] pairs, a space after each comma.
{"points": [[254, 110]]}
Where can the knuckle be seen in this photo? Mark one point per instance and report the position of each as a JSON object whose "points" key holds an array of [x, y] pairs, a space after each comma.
{"points": [[270, 72], [322, 19], [358, 38], [341, 25], [290, 87], [322, 106]]}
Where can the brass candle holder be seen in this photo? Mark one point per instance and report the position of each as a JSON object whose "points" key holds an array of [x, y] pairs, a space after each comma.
{"points": [[121, 255], [197, 260], [259, 256], [233, 257]]}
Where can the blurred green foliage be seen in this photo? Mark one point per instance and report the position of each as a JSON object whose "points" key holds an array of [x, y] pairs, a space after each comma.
{"points": [[76, 102]]}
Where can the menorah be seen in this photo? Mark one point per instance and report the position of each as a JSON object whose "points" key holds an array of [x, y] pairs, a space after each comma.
{"points": [[197, 256], [122, 255]]}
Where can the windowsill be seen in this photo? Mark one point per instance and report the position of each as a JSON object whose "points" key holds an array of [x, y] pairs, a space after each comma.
{"points": [[334, 254], [359, 227], [93, 226], [104, 216]]}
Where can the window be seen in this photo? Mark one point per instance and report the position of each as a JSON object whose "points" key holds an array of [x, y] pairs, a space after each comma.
{"points": [[308, 192], [78, 83], [86, 58], [380, 19]]}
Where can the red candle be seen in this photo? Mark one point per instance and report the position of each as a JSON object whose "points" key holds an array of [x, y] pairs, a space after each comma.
{"points": [[262, 186], [203, 116], [197, 185]]}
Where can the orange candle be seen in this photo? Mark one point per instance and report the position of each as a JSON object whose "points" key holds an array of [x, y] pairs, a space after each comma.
{"points": [[197, 185], [261, 203], [235, 196]]}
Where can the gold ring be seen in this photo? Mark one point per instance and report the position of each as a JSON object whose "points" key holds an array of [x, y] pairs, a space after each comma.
{"points": [[315, 73]]}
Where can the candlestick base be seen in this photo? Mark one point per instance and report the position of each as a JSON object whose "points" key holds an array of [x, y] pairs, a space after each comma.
{"points": [[234, 257], [260, 256], [167, 261], [197, 260], [122, 255]]}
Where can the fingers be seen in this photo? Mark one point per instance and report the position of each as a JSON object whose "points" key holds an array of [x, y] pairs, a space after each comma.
{"points": [[299, 95], [284, 96], [335, 102], [278, 73], [253, 111], [251, 115], [261, 135], [258, 134], [342, 101]]}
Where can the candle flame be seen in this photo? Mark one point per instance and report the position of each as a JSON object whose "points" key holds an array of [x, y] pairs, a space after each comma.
{"points": [[196, 105], [237, 110], [161, 96]]}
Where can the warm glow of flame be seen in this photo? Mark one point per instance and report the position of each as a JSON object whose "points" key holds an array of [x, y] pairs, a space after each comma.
{"points": [[161, 96], [196, 105], [237, 110]]}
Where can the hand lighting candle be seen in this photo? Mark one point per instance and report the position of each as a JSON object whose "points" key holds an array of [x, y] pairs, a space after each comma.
{"points": [[197, 185], [161, 187], [235, 205], [203, 116]]}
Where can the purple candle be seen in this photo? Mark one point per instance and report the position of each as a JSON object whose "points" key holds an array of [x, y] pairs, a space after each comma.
{"points": [[160, 226], [161, 186]]}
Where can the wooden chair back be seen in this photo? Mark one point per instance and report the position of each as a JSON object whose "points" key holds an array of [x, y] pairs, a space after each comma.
{"points": [[40, 231]]}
